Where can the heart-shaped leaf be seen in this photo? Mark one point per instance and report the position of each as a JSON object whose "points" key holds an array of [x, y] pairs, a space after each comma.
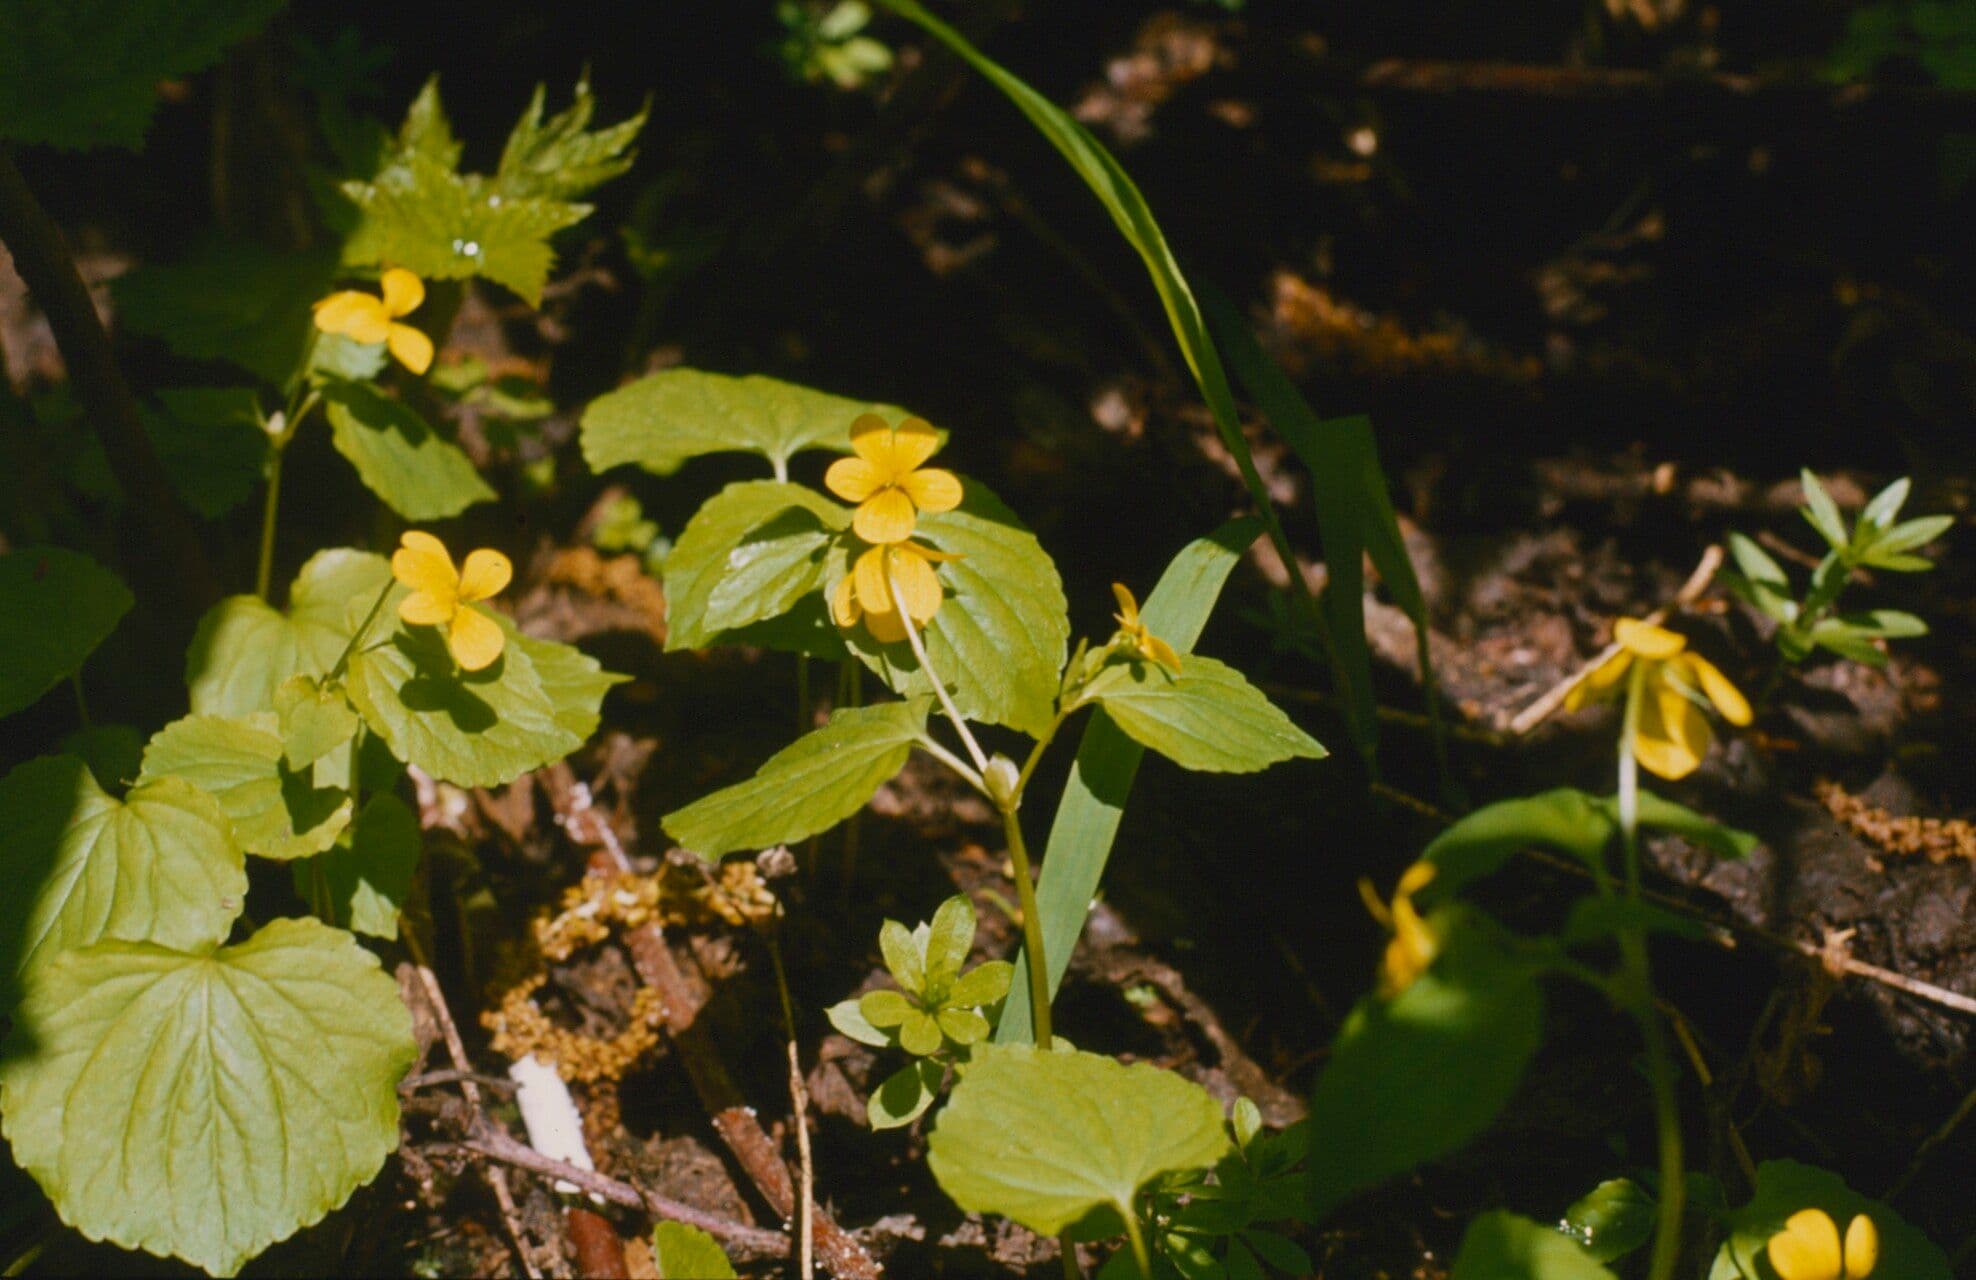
{"points": [[314, 721], [160, 865], [205, 1104], [56, 606], [419, 473], [809, 786], [1000, 637], [574, 682], [1048, 1138], [1207, 718], [703, 557], [244, 648], [660, 421], [770, 570], [211, 443], [277, 811]]}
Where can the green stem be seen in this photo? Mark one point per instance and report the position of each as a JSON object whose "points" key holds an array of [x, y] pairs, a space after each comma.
{"points": [[356, 638], [1032, 927], [933, 677], [1137, 1236], [264, 572], [1637, 976]]}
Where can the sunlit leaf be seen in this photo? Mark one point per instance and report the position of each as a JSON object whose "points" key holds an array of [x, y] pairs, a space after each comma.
{"points": [[366, 876], [204, 1104], [904, 1096], [244, 648], [687, 1253], [420, 474], [1208, 718], [1508, 1246], [560, 157], [276, 811], [703, 557], [809, 786], [1046, 1139]]}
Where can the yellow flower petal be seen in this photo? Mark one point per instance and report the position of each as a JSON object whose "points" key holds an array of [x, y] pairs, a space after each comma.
{"points": [[917, 584], [1727, 698], [403, 291], [423, 609], [844, 607], [869, 571], [475, 639], [412, 348], [887, 516], [1647, 640], [1601, 683], [421, 563], [853, 479], [887, 627], [1414, 879], [1162, 652], [871, 439], [1862, 1247], [933, 490], [356, 316], [1128, 608], [1674, 734], [1807, 1248], [913, 443], [485, 575]]}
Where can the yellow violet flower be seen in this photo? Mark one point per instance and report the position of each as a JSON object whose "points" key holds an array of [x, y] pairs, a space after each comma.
{"points": [[1141, 641], [865, 593], [361, 318], [1414, 943], [1673, 733], [1809, 1248], [442, 596], [885, 479]]}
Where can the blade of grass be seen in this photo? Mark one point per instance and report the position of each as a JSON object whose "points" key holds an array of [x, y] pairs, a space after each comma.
{"points": [[1094, 796], [1355, 517]]}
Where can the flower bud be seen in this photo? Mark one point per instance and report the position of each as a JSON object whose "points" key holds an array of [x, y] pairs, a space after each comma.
{"points": [[1000, 777]]}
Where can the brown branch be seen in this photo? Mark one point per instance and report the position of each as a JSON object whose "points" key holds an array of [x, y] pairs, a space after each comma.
{"points": [[1701, 95], [178, 564], [739, 1239]]}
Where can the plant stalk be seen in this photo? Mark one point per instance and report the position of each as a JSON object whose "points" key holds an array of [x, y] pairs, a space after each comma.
{"points": [[933, 677], [264, 570], [1638, 980], [1032, 927]]}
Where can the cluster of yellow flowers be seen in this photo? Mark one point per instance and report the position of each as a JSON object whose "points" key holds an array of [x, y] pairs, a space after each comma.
{"points": [[886, 478]]}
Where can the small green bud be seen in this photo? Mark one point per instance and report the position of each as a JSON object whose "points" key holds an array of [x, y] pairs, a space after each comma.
{"points": [[1000, 777]]}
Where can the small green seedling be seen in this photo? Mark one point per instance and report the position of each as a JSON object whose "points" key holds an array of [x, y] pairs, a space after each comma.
{"points": [[937, 1015], [1875, 541], [1209, 1222]]}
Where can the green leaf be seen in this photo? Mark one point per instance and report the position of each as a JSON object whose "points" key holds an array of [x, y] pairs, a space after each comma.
{"points": [[947, 945], [1207, 718], [160, 865], [244, 649], [560, 158], [1782, 1188], [982, 985], [231, 300], [85, 73], [1596, 919], [919, 1034], [1612, 1220], [962, 1026], [574, 682], [1908, 535], [1891, 623], [904, 1096], [905, 956], [276, 812], [770, 570], [1509, 1246], [809, 786], [663, 419], [1881, 509], [1415, 1077], [1769, 588], [56, 606], [211, 443], [886, 1008], [418, 473], [1847, 641], [702, 557], [1821, 512], [1101, 779], [205, 1104], [1047, 1139], [1001, 635], [473, 728], [848, 1017], [314, 721], [1564, 819], [367, 875], [688, 1253]]}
